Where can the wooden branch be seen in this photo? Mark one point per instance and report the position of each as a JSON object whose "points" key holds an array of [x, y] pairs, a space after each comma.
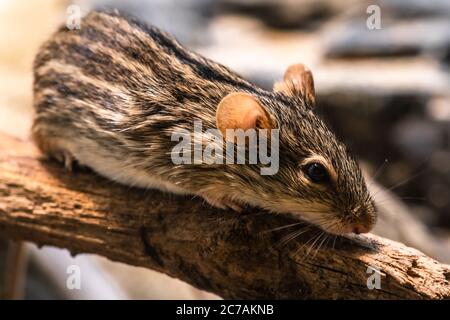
{"points": [[13, 260], [233, 255]]}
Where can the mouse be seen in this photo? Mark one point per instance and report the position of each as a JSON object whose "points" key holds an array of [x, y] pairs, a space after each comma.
{"points": [[110, 95]]}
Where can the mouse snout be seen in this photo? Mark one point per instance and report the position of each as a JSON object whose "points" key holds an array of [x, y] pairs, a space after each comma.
{"points": [[361, 228], [365, 221]]}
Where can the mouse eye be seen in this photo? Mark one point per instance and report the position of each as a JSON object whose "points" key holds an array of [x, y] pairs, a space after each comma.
{"points": [[316, 172]]}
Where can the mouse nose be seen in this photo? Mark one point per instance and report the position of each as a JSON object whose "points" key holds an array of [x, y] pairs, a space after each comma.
{"points": [[365, 221], [359, 228]]}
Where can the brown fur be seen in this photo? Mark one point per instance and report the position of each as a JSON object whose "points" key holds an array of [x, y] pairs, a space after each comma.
{"points": [[116, 89]]}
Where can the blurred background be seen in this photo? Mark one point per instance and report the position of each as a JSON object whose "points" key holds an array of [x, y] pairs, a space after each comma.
{"points": [[385, 89]]}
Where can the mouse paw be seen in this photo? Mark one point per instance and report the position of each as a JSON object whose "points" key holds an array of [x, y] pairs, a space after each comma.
{"points": [[66, 158], [223, 204]]}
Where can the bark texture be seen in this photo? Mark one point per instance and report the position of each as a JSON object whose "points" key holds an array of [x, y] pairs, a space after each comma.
{"points": [[233, 255]]}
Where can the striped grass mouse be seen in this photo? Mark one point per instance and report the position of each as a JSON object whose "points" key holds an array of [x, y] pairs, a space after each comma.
{"points": [[110, 94]]}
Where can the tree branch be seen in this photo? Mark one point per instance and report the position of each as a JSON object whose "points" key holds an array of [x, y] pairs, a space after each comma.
{"points": [[233, 255]]}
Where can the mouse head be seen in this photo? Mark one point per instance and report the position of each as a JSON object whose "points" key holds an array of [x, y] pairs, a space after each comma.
{"points": [[318, 179]]}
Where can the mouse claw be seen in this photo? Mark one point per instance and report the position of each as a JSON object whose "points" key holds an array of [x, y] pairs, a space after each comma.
{"points": [[67, 159]]}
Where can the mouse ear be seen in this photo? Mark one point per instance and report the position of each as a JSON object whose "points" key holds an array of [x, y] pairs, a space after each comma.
{"points": [[298, 81], [240, 110]]}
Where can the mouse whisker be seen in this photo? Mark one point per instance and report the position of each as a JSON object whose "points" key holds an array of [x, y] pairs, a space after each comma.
{"points": [[334, 241], [325, 238], [401, 183], [313, 243], [282, 227], [308, 242], [291, 236], [392, 200], [377, 173]]}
